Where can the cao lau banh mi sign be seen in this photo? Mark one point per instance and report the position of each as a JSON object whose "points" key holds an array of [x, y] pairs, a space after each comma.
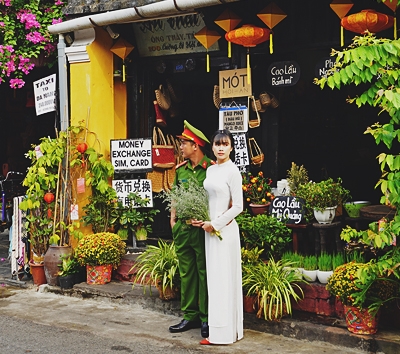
{"points": [[283, 73], [131, 155], [287, 209]]}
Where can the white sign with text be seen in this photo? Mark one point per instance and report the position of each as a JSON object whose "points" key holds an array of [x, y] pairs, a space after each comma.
{"points": [[131, 155], [45, 94], [142, 187]]}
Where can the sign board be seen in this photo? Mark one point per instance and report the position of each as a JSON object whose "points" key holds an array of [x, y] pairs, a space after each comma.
{"points": [[45, 94], [289, 210], [241, 154], [283, 73], [131, 155], [141, 187], [233, 83], [323, 66], [234, 118], [174, 35]]}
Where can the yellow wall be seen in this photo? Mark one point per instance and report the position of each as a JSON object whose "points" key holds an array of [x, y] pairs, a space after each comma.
{"points": [[99, 99]]}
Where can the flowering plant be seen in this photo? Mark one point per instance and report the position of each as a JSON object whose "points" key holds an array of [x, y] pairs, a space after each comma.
{"points": [[100, 249], [257, 189], [24, 35]]}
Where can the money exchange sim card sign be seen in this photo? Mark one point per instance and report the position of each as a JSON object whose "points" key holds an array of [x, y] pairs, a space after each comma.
{"points": [[234, 117]]}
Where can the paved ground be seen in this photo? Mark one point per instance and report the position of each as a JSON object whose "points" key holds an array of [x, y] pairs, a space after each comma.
{"points": [[121, 294]]}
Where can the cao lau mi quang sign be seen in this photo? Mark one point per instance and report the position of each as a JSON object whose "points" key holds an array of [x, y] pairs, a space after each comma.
{"points": [[289, 210], [131, 155]]}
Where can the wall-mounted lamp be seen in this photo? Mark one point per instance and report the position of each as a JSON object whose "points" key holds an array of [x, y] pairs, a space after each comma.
{"points": [[113, 34]]}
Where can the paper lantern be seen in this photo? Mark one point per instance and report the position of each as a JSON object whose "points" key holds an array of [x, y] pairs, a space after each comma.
{"points": [[367, 21], [341, 8], [207, 38], [248, 36], [271, 16], [122, 48], [392, 5], [228, 21]]}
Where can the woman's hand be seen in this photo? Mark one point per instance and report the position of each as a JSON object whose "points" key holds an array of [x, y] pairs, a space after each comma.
{"points": [[208, 227], [197, 223]]}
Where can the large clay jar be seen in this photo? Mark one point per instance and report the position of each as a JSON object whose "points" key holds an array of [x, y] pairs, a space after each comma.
{"points": [[52, 261]]}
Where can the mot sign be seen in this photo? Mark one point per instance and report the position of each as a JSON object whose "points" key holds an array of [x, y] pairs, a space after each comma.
{"points": [[131, 155], [233, 83], [289, 210], [235, 118]]}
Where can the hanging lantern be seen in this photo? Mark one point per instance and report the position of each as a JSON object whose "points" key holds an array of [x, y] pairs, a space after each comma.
{"points": [[248, 36], [207, 38], [341, 8], [271, 16], [392, 5], [367, 21], [228, 21], [122, 48]]}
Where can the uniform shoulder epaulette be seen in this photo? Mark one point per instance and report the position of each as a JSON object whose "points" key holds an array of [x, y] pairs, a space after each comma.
{"points": [[181, 164], [212, 162]]}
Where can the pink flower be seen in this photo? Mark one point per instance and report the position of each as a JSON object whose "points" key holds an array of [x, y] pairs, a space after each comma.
{"points": [[16, 83], [58, 2], [56, 20], [6, 2], [28, 18], [35, 37], [1, 24]]}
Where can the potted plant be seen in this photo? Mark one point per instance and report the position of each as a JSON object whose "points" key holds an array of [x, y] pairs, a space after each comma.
{"points": [[310, 265], [337, 260], [362, 289], [275, 287], [158, 266], [100, 253], [257, 191], [297, 175], [135, 217], [67, 271], [250, 259], [325, 268], [323, 197], [264, 231]]}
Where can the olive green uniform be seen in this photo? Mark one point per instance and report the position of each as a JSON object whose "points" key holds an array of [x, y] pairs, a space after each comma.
{"points": [[190, 249]]}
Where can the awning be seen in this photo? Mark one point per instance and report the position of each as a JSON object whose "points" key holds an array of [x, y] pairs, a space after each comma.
{"points": [[161, 9]]}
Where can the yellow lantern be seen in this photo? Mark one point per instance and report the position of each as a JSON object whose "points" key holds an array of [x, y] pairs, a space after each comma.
{"points": [[122, 48], [341, 8], [271, 16], [207, 38], [228, 21]]}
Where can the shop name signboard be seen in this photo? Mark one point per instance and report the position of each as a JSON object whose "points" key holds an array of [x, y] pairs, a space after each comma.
{"points": [[283, 73], [44, 91], [323, 66], [233, 83], [174, 35], [233, 118], [141, 187], [131, 155], [287, 209]]}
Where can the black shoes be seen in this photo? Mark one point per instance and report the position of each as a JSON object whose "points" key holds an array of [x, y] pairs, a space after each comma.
{"points": [[185, 325], [204, 330]]}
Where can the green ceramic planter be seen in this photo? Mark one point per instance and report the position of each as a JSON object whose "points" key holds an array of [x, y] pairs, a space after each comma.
{"points": [[353, 208]]}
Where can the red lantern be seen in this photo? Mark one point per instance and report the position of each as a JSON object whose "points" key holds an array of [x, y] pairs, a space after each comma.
{"points": [[82, 147], [48, 197], [367, 20], [248, 36]]}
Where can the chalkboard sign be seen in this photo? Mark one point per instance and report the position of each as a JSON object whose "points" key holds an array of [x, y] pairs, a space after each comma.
{"points": [[283, 73], [289, 210]]}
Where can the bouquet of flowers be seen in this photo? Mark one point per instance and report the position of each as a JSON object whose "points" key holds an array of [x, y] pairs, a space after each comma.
{"points": [[190, 201], [257, 189]]}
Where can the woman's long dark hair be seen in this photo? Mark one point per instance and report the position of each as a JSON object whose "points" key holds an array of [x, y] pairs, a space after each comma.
{"points": [[223, 136]]}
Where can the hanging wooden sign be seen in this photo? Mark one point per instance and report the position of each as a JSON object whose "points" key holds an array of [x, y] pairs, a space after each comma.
{"points": [[233, 83]]}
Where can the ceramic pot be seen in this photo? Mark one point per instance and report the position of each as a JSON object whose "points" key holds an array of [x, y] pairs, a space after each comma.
{"points": [[323, 276], [37, 271], [98, 275], [52, 261], [310, 275], [250, 304], [360, 321], [325, 216], [67, 281], [259, 208]]}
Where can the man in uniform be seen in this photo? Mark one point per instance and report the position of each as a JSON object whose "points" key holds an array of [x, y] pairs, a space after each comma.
{"points": [[189, 240]]}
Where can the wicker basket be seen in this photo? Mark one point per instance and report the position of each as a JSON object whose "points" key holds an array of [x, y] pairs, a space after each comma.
{"points": [[254, 123], [256, 106], [274, 102], [256, 155], [217, 101], [265, 99]]}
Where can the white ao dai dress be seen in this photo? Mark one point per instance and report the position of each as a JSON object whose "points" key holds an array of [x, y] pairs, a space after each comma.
{"points": [[223, 184]]}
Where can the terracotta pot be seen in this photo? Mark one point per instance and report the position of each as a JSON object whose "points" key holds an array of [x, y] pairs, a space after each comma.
{"points": [[259, 208], [98, 275], [168, 294], [37, 271], [52, 261], [360, 321], [250, 304]]}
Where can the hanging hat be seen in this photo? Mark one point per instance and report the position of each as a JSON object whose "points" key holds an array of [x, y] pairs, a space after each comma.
{"points": [[193, 134]]}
